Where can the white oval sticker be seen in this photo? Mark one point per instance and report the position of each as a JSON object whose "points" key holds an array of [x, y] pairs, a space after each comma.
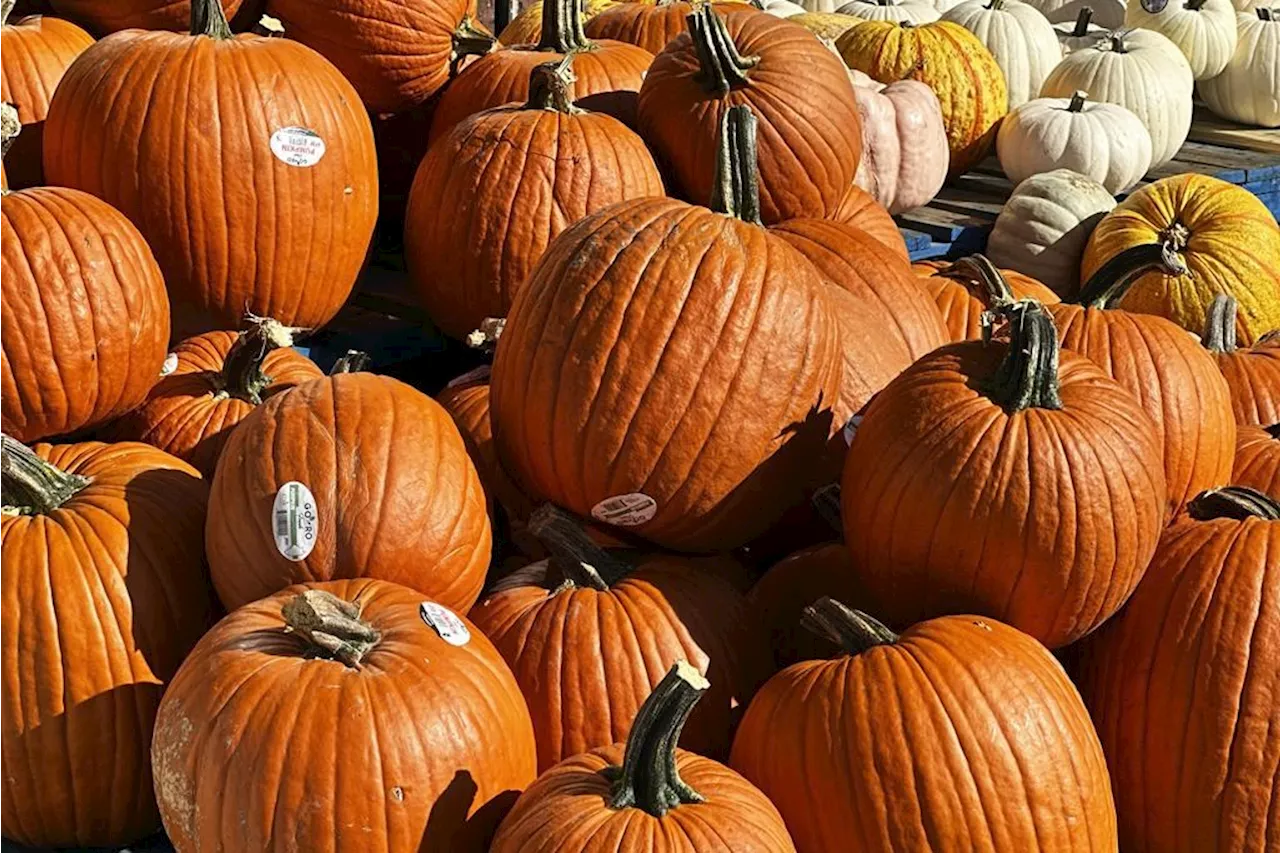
{"points": [[170, 364], [851, 429], [297, 146], [625, 510], [294, 521], [445, 622]]}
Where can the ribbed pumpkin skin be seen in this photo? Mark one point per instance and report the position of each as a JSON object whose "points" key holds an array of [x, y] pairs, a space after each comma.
{"points": [[950, 60], [605, 79], [1257, 462], [85, 320], [779, 598], [186, 415], [489, 198], [1175, 381], [587, 659], [1182, 687], [705, 362], [1044, 519], [1234, 248], [468, 405], [1253, 373], [736, 817], [859, 208], [397, 496], [34, 54], [649, 25], [527, 26], [395, 52], [109, 16], [810, 138], [310, 754], [102, 600], [962, 307], [966, 734], [233, 226]]}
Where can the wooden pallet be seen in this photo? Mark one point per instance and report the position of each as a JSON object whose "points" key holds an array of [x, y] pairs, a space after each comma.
{"points": [[1207, 127]]}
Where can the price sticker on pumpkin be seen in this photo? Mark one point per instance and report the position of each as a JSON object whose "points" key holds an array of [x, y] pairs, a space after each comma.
{"points": [[851, 429], [297, 146], [294, 521], [445, 623], [170, 364], [628, 510]]}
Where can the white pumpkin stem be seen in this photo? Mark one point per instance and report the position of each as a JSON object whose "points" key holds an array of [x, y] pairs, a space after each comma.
{"points": [[1082, 22], [1077, 101], [1265, 14]]}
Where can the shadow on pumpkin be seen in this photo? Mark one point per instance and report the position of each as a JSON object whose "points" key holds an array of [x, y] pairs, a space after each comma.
{"points": [[450, 830]]}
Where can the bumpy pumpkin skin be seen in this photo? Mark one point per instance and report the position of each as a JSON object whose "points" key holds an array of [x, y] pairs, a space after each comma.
{"points": [[859, 208], [102, 600], [1182, 688], [34, 54], [709, 343], [86, 318], [397, 497], [233, 226], [965, 732], [1253, 373], [810, 136], [1233, 247], [949, 59], [488, 199], [424, 747], [949, 502], [962, 306], [1257, 462], [189, 415], [109, 16]]}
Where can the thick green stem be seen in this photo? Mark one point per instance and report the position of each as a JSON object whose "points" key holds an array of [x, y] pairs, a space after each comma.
{"points": [[648, 778], [721, 67], [562, 27], [736, 191], [1082, 22], [1027, 378], [468, 40], [575, 559], [1111, 281], [1220, 326], [242, 375], [852, 630], [1238, 502], [826, 501], [978, 272], [208, 19], [551, 87], [331, 626], [31, 486], [353, 361]]}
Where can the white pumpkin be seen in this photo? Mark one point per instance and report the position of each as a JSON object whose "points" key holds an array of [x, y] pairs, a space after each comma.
{"points": [[1247, 5], [1248, 90], [820, 5], [1204, 30], [1104, 142], [779, 8], [904, 143], [913, 11], [1141, 70], [1108, 14], [1082, 32], [944, 5], [1044, 226], [1020, 38]]}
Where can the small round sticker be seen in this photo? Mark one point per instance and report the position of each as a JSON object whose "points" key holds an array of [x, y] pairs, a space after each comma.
{"points": [[294, 521], [170, 364], [625, 510], [297, 146], [851, 429], [445, 622]]}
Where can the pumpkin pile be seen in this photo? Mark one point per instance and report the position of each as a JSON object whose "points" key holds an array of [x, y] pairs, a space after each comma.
{"points": [[740, 532]]}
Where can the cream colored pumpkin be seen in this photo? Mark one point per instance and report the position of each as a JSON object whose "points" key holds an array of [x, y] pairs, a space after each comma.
{"points": [[779, 8], [1044, 226], [944, 5], [904, 143], [913, 11], [1082, 32], [1204, 30], [1248, 89], [1138, 69], [820, 5], [1108, 14], [1104, 142], [1020, 38]]}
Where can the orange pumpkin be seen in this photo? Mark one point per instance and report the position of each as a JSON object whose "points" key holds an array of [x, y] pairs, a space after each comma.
{"points": [[262, 198], [647, 795], [650, 25], [34, 54], [1257, 462], [1252, 372], [393, 495], [104, 594], [810, 139], [109, 16], [961, 733], [353, 705], [966, 289], [860, 208]]}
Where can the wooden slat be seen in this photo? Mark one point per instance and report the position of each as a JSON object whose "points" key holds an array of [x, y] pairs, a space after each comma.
{"points": [[1206, 127]]}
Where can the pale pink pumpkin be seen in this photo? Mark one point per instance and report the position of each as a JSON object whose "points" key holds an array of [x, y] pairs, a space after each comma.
{"points": [[904, 144]]}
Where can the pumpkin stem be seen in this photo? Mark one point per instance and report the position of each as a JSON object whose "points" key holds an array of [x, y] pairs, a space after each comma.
{"points": [[1111, 281], [6, 8], [1082, 22], [551, 87], [1116, 37], [648, 778], [353, 361], [10, 127], [575, 558], [468, 40], [826, 501], [852, 630], [1220, 326], [1264, 14], [1077, 101], [332, 626], [1273, 430], [1238, 502], [720, 66], [208, 19], [242, 375], [562, 27], [268, 27], [486, 337], [1195, 5], [736, 191], [1028, 376], [31, 486], [978, 271], [996, 4]]}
